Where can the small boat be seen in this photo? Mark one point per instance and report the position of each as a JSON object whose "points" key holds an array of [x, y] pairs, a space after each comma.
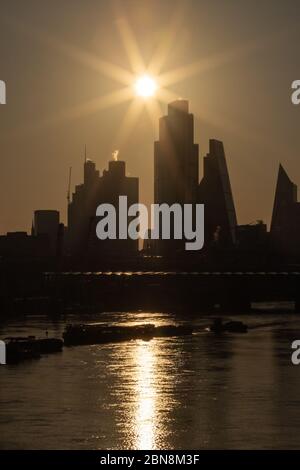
{"points": [[219, 326], [18, 350], [31, 347]]}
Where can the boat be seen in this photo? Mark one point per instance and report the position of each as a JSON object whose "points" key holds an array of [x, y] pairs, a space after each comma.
{"points": [[29, 347], [219, 326], [80, 334], [18, 350]]}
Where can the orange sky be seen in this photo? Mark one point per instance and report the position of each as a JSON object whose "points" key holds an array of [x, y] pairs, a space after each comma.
{"points": [[63, 63]]}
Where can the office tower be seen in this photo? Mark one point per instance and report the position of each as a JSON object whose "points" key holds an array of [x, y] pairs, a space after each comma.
{"points": [[115, 183], [216, 195], [175, 164], [46, 222], [176, 157], [96, 190], [285, 224], [82, 208], [285, 196]]}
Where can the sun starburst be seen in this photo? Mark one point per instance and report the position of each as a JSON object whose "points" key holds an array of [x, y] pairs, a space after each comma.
{"points": [[143, 85]]}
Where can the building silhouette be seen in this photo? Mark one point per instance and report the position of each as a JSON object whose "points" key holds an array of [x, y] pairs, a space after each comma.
{"points": [[215, 193], [15, 245], [252, 237], [176, 177], [96, 190], [285, 224], [46, 222], [82, 208], [176, 164], [285, 197]]}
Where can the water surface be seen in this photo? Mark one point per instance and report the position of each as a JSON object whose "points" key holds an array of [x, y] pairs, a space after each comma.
{"points": [[194, 392]]}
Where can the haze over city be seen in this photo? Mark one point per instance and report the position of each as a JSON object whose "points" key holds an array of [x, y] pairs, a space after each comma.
{"points": [[64, 64]]}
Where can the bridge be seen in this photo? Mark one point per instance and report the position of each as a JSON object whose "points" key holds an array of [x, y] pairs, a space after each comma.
{"points": [[230, 290]]}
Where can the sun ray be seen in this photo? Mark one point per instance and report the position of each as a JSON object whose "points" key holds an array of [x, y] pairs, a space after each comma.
{"points": [[161, 53], [166, 96], [76, 112], [155, 111], [218, 59], [128, 77], [128, 122], [119, 74], [131, 46]]}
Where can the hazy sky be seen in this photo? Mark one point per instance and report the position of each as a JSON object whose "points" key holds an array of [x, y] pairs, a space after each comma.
{"points": [[53, 58]]}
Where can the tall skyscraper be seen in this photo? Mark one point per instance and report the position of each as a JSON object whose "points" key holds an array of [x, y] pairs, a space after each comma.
{"points": [[82, 208], [176, 157], [216, 195], [285, 196], [285, 224], [176, 165]]}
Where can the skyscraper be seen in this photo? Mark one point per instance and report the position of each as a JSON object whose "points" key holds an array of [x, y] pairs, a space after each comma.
{"points": [[82, 208], [115, 183], [216, 195], [176, 157], [285, 224], [176, 164], [94, 191], [285, 196]]}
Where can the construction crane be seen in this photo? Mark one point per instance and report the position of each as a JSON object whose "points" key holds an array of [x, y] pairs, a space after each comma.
{"points": [[69, 186]]}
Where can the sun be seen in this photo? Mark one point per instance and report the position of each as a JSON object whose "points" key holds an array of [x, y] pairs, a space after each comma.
{"points": [[145, 86]]}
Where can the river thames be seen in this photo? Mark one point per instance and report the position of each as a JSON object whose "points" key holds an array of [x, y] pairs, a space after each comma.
{"points": [[237, 391]]}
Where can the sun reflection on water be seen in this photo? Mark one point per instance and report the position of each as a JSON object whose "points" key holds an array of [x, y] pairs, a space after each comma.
{"points": [[146, 395]]}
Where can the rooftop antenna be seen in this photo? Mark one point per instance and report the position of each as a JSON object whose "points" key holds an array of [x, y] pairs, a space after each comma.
{"points": [[69, 186], [85, 153]]}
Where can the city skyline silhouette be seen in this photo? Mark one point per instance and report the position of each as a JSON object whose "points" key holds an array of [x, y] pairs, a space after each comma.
{"points": [[149, 230], [238, 84]]}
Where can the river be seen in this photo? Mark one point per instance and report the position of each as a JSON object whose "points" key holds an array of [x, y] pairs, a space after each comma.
{"points": [[194, 392]]}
